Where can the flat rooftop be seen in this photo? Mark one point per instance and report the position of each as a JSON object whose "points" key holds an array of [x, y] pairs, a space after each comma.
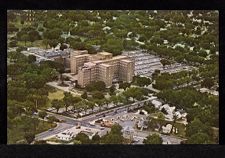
{"points": [[104, 53], [106, 65]]}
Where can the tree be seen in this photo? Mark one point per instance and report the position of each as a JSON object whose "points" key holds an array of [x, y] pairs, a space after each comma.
{"points": [[161, 119], [112, 89], [98, 95], [52, 34], [196, 126], [112, 139], [34, 80], [33, 35], [114, 99], [31, 58], [53, 43], [124, 85], [13, 43], [96, 139], [114, 45], [116, 129], [68, 99], [142, 81], [199, 138], [76, 142], [25, 38], [96, 86], [84, 95], [153, 139], [40, 142], [42, 114], [207, 82], [45, 42], [53, 119], [37, 99], [83, 138], [91, 105], [115, 136], [174, 121], [29, 137], [165, 62], [57, 104]]}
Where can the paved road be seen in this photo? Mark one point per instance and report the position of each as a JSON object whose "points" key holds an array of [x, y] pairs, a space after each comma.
{"points": [[115, 110], [60, 127], [71, 122]]}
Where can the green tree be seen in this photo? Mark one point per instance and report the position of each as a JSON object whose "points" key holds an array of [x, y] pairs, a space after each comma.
{"points": [[112, 89], [52, 119], [161, 119], [207, 82], [25, 38], [153, 139], [68, 99], [84, 95], [114, 45], [96, 86], [98, 95], [83, 138], [96, 139], [42, 114], [57, 104], [114, 136], [142, 81], [199, 138], [124, 85], [31, 58], [196, 126], [29, 137], [45, 42], [165, 62]]}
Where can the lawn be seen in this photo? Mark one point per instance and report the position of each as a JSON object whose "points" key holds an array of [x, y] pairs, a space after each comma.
{"points": [[58, 94], [17, 134]]}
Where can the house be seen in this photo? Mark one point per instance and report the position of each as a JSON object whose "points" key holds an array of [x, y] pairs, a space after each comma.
{"points": [[156, 103], [167, 128]]}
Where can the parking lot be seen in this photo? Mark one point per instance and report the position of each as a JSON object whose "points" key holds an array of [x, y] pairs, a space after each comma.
{"points": [[146, 64]]}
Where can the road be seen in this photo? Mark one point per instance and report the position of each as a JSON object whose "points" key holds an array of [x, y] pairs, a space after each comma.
{"points": [[71, 122], [60, 128]]}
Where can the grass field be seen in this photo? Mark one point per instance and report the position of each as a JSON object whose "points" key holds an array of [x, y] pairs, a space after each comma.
{"points": [[17, 134], [58, 94]]}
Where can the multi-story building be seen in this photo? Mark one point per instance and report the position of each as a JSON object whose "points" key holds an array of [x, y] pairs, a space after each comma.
{"points": [[77, 59], [101, 67]]}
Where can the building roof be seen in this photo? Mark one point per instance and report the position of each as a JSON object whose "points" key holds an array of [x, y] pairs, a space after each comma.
{"points": [[104, 53], [82, 55], [89, 64], [119, 57], [126, 60], [106, 65]]}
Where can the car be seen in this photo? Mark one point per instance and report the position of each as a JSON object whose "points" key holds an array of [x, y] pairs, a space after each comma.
{"points": [[51, 129], [91, 125]]}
